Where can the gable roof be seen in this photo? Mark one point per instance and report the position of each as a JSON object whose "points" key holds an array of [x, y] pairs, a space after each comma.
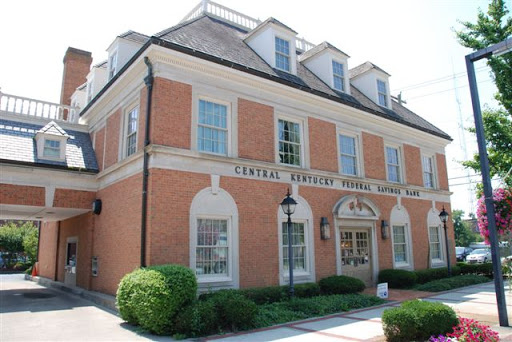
{"points": [[19, 147], [361, 69], [53, 128], [134, 36], [217, 41], [319, 48]]}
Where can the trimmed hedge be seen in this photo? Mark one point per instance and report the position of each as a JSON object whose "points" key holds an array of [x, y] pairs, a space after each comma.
{"points": [[397, 279], [151, 297], [417, 320], [234, 311], [430, 274], [265, 295], [307, 290], [198, 319], [484, 269], [453, 283], [340, 285]]}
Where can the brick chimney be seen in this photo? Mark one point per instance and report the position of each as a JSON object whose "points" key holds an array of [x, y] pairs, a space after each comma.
{"points": [[77, 64]]}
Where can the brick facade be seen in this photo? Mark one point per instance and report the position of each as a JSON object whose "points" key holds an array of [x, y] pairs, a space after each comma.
{"points": [[255, 133], [374, 159], [66, 198], [76, 67], [322, 144], [413, 166], [22, 194]]}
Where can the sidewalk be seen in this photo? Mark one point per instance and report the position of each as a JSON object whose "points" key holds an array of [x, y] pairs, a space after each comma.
{"points": [[477, 302]]}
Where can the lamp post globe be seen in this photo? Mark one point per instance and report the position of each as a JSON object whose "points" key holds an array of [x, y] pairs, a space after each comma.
{"points": [[444, 217]]}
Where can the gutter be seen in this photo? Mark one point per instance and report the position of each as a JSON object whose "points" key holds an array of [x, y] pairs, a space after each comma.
{"points": [[148, 80]]}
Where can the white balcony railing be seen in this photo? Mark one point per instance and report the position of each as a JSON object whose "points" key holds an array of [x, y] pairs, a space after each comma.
{"points": [[23, 106]]}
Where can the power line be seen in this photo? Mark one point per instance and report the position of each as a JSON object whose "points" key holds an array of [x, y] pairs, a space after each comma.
{"points": [[444, 91]]}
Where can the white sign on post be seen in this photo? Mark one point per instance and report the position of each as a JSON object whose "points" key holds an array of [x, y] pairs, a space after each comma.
{"points": [[382, 290]]}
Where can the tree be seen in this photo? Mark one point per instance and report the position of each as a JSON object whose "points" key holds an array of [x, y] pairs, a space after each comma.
{"points": [[492, 28], [463, 234], [14, 237]]}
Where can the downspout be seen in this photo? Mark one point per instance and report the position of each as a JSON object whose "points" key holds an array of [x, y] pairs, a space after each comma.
{"points": [[148, 80], [56, 275]]}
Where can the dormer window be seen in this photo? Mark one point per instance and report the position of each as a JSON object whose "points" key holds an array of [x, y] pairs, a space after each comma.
{"points": [[90, 90], [282, 54], [382, 93], [112, 62], [51, 142], [338, 76], [51, 148]]}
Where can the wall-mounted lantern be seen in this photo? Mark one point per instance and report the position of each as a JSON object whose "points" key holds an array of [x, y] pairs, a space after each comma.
{"points": [[384, 229], [325, 229], [96, 206]]}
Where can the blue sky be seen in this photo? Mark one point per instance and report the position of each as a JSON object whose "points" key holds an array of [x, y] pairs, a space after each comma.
{"points": [[411, 40]]}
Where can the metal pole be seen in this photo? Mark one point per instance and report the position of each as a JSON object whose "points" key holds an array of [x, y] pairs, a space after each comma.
{"points": [[290, 256], [447, 252], [486, 179]]}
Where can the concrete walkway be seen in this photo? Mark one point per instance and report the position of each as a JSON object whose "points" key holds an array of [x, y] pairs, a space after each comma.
{"points": [[30, 312]]}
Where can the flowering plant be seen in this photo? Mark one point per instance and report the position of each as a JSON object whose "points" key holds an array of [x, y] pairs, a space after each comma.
{"points": [[470, 330], [503, 213]]}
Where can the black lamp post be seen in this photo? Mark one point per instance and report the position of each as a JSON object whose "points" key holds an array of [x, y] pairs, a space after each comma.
{"points": [[444, 217], [288, 205]]}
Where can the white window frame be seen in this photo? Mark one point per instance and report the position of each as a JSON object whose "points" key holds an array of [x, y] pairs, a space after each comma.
{"points": [[307, 266], [55, 150], [434, 221], [112, 64], [358, 147], [400, 218], [433, 171], [125, 135], [303, 141], [400, 164], [216, 204], [335, 75], [227, 129], [441, 259], [303, 214], [282, 54], [379, 93]]}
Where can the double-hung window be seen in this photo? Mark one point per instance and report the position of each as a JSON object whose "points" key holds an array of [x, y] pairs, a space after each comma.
{"points": [[400, 245], [51, 148], [282, 54], [348, 155], [132, 119], [428, 172], [289, 142], [112, 65], [212, 249], [382, 93], [90, 90], [393, 164], [435, 243], [299, 249], [212, 128], [338, 76]]}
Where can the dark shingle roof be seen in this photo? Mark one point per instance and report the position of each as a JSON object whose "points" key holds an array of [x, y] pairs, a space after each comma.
{"points": [[319, 48], [19, 146], [135, 36]]}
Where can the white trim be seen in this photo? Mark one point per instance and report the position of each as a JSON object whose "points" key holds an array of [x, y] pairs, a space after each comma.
{"points": [[216, 206], [401, 163], [123, 143], [304, 136], [433, 220], [432, 157], [359, 151], [302, 214]]}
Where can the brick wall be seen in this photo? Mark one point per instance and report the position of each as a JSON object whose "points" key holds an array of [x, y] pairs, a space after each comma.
{"points": [[99, 145], [442, 173], [112, 139], [322, 144], [66, 198], [22, 194], [255, 131], [117, 233], [171, 113], [47, 250], [374, 162], [77, 64], [413, 166]]}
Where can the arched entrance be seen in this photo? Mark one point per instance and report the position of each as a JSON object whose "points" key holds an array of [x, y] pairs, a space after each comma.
{"points": [[355, 220]]}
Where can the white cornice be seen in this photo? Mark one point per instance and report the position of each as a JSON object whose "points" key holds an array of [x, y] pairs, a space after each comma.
{"points": [[36, 120]]}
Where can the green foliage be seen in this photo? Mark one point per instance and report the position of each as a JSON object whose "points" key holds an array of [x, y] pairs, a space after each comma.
{"points": [[198, 319], [430, 274], [234, 310], [453, 283], [265, 295], [463, 234], [484, 269], [19, 239], [417, 320], [340, 285], [307, 290], [151, 297], [398, 279]]}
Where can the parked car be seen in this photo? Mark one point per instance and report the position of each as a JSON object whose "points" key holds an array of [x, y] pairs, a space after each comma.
{"points": [[479, 256], [462, 252]]}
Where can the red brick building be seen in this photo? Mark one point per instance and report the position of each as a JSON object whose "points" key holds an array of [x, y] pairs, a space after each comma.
{"points": [[189, 139]]}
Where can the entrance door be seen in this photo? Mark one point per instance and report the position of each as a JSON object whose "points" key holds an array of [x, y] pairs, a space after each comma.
{"points": [[70, 267], [356, 258]]}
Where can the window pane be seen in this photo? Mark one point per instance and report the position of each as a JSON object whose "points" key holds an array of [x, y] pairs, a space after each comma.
{"points": [[212, 247], [399, 244], [51, 148], [282, 54], [212, 128], [382, 92], [299, 251], [289, 142], [393, 164]]}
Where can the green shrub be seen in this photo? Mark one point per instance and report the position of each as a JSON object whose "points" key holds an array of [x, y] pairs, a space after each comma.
{"points": [[340, 285], [453, 283], [152, 296], [397, 279], [481, 269], [430, 274], [265, 295], [307, 290], [198, 319], [434, 286], [417, 320], [235, 312]]}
